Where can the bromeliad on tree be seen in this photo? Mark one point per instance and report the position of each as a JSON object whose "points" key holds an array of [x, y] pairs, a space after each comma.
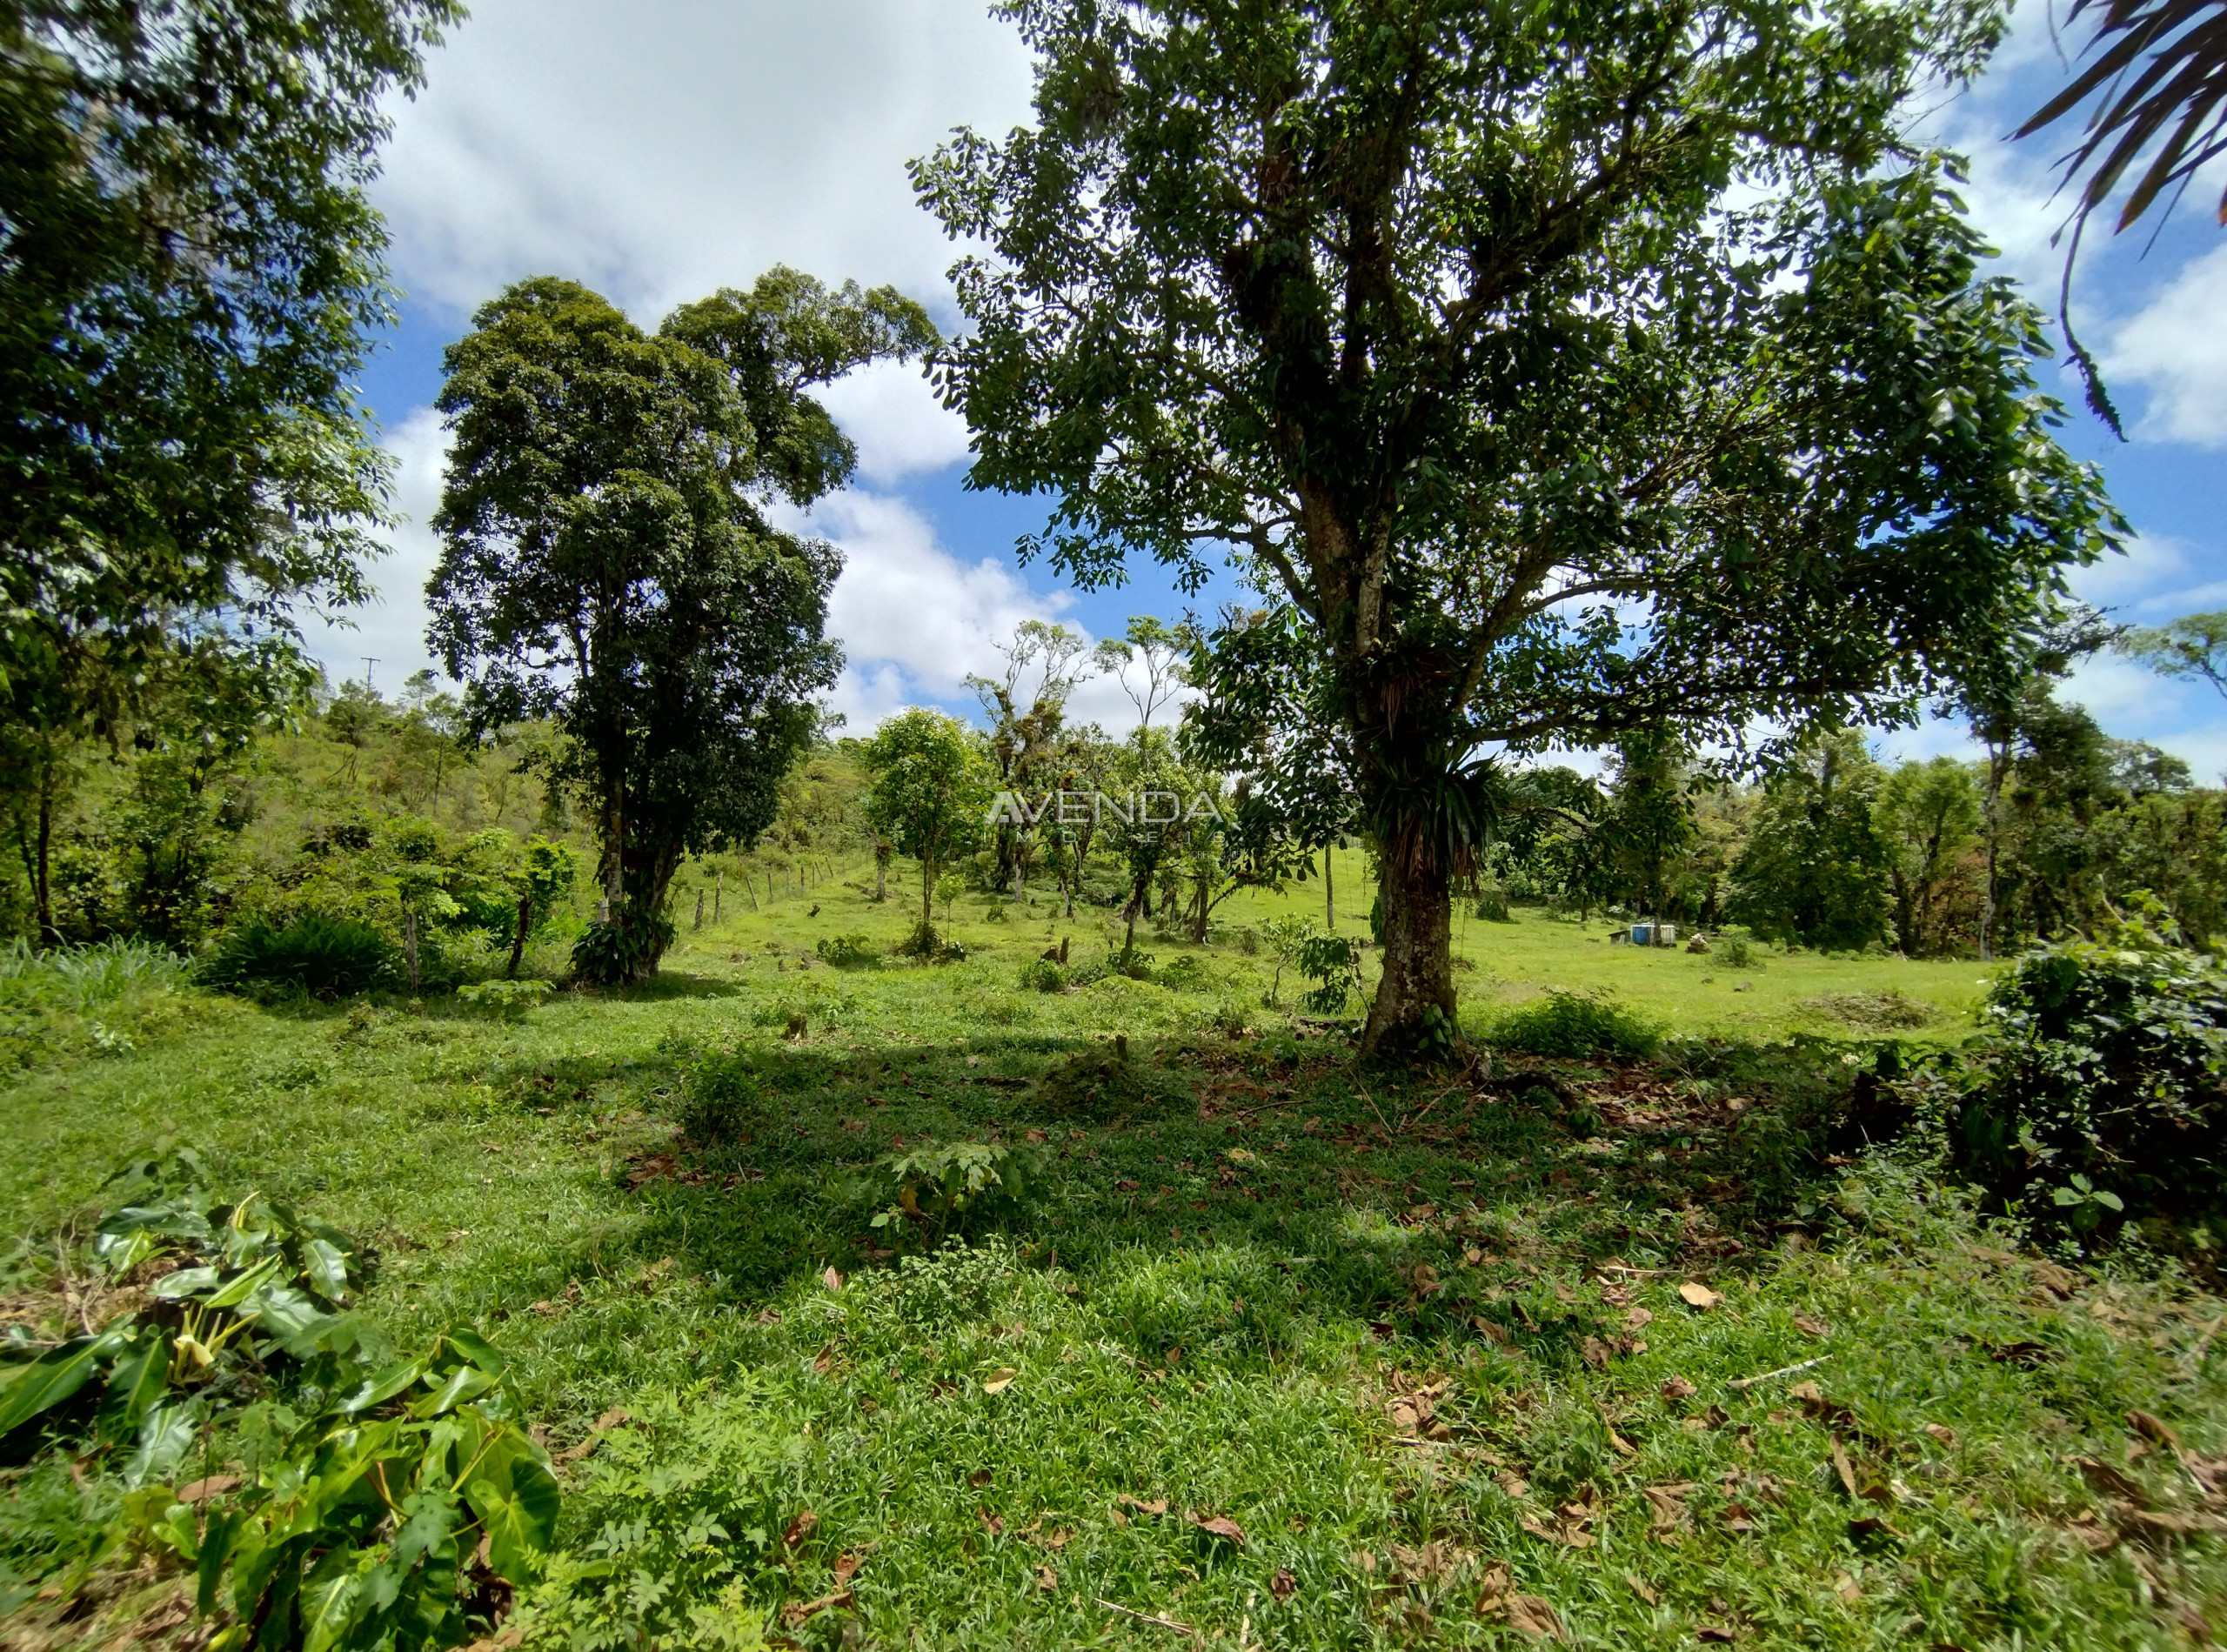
{"points": [[1447, 320]]}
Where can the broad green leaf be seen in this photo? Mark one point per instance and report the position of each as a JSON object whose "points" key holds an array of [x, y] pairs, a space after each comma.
{"points": [[325, 1266], [466, 1382], [54, 1377], [429, 1517], [475, 1349], [237, 1290], [290, 1318], [518, 1504], [136, 1382], [377, 1391], [166, 1433], [217, 1542], [328, 1599], [186, 1281]]}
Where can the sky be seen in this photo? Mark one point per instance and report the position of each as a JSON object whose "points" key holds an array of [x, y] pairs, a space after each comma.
{"points": [[659, 150]]}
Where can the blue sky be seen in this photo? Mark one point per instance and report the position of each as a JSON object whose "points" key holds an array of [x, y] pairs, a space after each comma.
{"points": [[662, 149]]}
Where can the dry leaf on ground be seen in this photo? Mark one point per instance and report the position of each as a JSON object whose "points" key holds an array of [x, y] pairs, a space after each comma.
{"points": [[799, 1529], [1810, 1326], [1676, 1387], [847, 1566], [1218, 1526], [1533, 1619], [1047, 1579], [833, 1279], [793, 1616], [999, 1381], [1696, 1295], [196, 1491], [1946, 1436], [1283, 1585]]}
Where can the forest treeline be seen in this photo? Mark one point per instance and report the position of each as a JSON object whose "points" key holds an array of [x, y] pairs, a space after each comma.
{"points": [[467, 843]]}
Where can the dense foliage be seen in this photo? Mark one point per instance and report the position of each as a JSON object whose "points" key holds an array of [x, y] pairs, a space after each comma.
{"points": [[607, 565], [2103, 1089]]}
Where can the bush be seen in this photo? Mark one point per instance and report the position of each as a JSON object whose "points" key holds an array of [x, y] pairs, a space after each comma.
{"points": [[721, 1096], [324, 957], [849, 951], [610, 954], [1333, 963], [2103, 1087], [1572, 1025], [1187, 971], [508, 999], [1492, 905], [1043, 975], [939, 1189]]}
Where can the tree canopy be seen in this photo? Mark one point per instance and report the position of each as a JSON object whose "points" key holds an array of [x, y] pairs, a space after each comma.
{"points": [[1447, 323], [607, 564]]}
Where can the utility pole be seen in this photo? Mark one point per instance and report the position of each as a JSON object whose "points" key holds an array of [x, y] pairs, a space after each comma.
{"points": [[368, 663]]}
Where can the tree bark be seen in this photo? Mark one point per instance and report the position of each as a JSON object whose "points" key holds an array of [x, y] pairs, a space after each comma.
{"points": [[517, 941], [49, 936], [1415, 902]]}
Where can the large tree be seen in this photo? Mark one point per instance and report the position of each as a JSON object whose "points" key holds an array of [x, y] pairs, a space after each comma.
{"points": [[188, 267], [1563, 370], [607, 564]]}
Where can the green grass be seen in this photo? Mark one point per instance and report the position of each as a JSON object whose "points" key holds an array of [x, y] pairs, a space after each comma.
{"points": [[1242, 1261]]}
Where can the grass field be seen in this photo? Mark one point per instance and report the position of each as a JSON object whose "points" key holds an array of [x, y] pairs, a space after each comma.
{"points": [[1280, 1352]]}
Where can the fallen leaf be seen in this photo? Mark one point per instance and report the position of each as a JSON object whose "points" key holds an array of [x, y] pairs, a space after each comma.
{"points": [[197, 1491], [1057, 1541], [613, 1418], [847, 1566], [769, 1316], [994, 1524], [2170, 1521], [1845, 1586], [793, 1616], [1842, 1467], [2103, 1477], [1533, 1619], [978, 1479], [833, 1279], [2152, 1430], [1676, 1387], [1498, 1581], [1497, 1332], [1717, 1633], [1218, 1526], [2057, 1281], [1808, 1326], [1696, 1294], [1595, 1352], [1738, 1517], [1642, 1588], [1157, 1506], [999, 1381], [1514, 1484], [1667, 1506], [1283, 1585], [1047, 1579], [1636, 1318], [1946, 1436], [799, 1529]]}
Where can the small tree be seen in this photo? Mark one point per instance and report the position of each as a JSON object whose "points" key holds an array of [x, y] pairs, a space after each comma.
{"points": [[2193, 647], [1929, 816], [930, 787], [1814, 870]]}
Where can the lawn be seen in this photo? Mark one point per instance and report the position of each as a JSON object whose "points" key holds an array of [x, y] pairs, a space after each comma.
{"points": [[1277, 1351]]}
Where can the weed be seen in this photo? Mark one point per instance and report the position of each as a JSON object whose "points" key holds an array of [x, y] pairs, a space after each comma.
{"points": [[937, 1189], [323, 957], [1572, 1025], [849, 951]]}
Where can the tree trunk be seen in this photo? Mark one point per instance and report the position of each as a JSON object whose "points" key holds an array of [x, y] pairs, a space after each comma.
{"points": [[718, 892], [1329, 892], [1414, 900], [517, 941], [409, 947], [700, 909], [49, 936], [1995, 767], [927, 893], [881, 876]]}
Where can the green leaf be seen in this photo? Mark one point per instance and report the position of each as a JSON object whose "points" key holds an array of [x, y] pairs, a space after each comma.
{"points": [[464, 1383], [54, 1377], [475, 1348], [216, 1542], [329, 1600], [517, 1503], [326, 1265], [2107, 1200], [166, 1433], [136, 1382], [239, 1289], [186, 1281], [378, 1389]]}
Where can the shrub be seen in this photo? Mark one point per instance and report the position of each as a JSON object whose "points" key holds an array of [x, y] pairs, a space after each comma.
{"points": [[509, 999], [1492, 905], [1043, 975], [1573, 1025], [939, 1189], [612, 954], [2103, 1085], [324, 957], [1188, 972], [722, 1095], [1333, 963], [1248, 941], [1737, 947], [849, 951], [1132, 962]]}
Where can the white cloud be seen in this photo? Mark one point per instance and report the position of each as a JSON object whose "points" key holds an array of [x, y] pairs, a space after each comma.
{"points": [[391, 627], [891, 411], [2178, 346], [2151, 563], [663, 149]]}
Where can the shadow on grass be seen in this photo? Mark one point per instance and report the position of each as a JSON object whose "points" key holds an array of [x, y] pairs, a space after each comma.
{"points": [[1280, 1177]]}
